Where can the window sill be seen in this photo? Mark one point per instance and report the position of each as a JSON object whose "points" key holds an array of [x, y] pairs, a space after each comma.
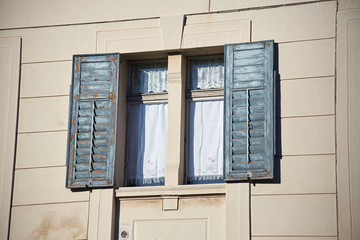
{"points": [[179, 190]]}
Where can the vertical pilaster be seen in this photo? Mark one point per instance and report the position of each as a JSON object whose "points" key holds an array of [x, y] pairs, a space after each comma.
{"points": [[237, 216], [176, 120], [101, 214], [10, 52]]}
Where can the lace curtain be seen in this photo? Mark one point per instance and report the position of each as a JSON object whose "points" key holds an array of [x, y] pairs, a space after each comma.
{"points": [[148, 77], [207, 73], [205, 161], [146, 144]]}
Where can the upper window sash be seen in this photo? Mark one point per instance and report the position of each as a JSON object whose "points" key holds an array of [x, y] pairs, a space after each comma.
{"points": [[205, 72], [148, 77]]}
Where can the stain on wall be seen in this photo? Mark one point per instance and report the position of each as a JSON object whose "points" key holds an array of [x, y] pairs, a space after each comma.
{"points": [[57, 226]]}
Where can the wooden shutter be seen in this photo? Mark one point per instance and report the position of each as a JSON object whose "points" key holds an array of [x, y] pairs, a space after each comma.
{"points": [[92, 121], [249, 111]]}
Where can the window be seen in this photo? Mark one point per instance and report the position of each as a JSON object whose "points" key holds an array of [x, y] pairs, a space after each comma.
{"points": [[248, 120], [205, 82], [146, 123]]}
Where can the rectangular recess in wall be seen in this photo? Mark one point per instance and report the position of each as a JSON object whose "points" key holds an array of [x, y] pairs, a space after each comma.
{"points": [[175, 229], [214, 30]]}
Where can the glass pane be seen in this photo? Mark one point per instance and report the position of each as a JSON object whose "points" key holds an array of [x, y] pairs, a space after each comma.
{"points": [[207, 72], [146, 144], [148, 77], [205, 149]]}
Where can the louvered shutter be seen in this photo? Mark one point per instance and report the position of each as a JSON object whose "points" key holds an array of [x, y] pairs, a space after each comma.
{"points": [[249, 111], [92, 120]]}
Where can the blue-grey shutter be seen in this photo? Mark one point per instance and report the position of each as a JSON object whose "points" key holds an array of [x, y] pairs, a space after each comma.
{"points": [[93, 120], [249, 119]]}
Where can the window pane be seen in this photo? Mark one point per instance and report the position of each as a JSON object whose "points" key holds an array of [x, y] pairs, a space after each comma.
{"points": [[146, 144], [205, 150], [148, 77], [206, 73]]}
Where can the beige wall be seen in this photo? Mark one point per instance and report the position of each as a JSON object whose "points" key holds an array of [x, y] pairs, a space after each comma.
{"points": [[9, 90], [348, 115], [302, 205]]}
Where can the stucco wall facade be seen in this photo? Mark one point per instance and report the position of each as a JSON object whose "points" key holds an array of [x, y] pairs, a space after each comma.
{"points": [[315, 192]]}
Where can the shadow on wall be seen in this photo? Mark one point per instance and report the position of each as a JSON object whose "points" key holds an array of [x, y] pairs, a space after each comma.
{"points": [[278, 142]]}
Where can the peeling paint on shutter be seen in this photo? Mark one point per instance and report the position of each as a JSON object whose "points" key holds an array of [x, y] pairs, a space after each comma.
{"points": [[249, 111], [92, 121]]}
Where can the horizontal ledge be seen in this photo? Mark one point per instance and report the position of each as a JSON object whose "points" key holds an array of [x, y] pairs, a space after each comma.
{"points": [[289, 194], [306, 78], [42, 131], [50, 61], [147, 97], [179, 190], [39, 167], [46, 61], [307, 154], [205, 93], [308, 116], [44, 96], [50, 203], [295, 235], [78, 23]]}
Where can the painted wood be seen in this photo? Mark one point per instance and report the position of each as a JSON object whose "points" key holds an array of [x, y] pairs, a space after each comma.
{"points": [[93, 120], [10, 52], [249, 137]]}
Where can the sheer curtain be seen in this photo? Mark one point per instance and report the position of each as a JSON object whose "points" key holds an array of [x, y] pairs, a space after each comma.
{"points": [[146, 143], [207, 73], [148, 77], [205, 163]]}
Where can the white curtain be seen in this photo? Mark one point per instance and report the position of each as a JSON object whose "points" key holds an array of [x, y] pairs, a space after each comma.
{"points": [[207, 73], [205, 160], [149, 77], [146, 144]]}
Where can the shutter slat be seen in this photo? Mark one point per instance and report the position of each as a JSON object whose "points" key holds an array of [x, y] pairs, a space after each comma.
{"points": [[253, 53], [98, 104], [100, 87], [96, 75], [98, 127], [255, 45], [250, 149], [106, 65], [253, 158], [93, 95], [250, 126], [248, 77], [249, 111], [242, 102], [252, 133], [86, 174], [252, 109], [253, 141], [95, 158], [253, 93], [92, 139], [253, 166], [248, 61], [248, 84], [252, 117], [85, 167], [98, 58], [98, 120], [98, 112], [249, 69]]}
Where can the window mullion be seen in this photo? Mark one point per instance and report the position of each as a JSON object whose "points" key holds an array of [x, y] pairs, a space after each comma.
{"points": [[176, 120]]}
